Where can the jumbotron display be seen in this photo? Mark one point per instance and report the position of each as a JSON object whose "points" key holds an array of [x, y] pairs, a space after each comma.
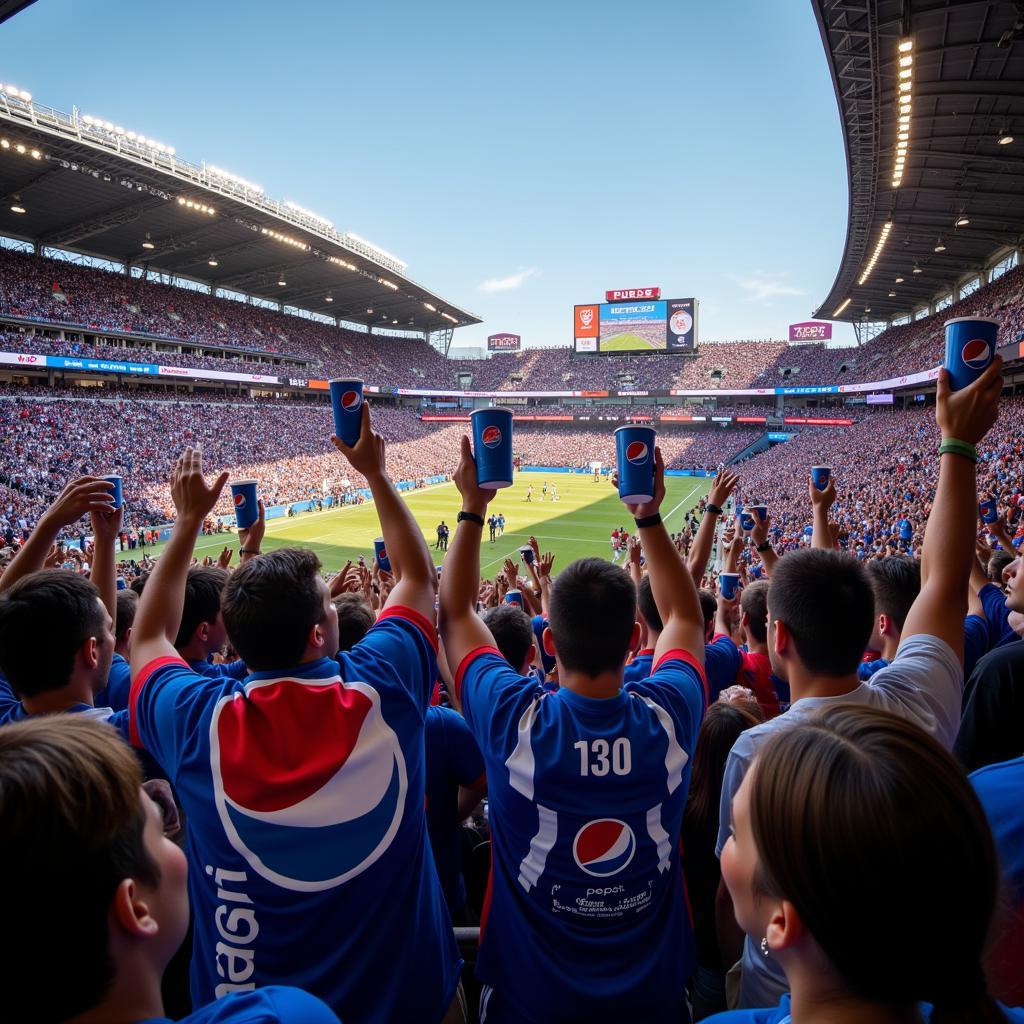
{"points": [[647, 323]]}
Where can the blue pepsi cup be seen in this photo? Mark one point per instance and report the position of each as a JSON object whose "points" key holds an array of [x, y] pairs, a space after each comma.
{"points": [[381, 554], [492, 447], [729, 584], [634, 456], [247, 509], [820, 476], [514, 597], [117, 494], [988, 511], [761, 511], [970, 346], [747, 521], [347, 406]]}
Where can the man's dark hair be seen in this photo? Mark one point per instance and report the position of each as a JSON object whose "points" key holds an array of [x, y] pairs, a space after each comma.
{"points": [[512, 631], [997, 562], [593, 611], [896, 582], [708, 605], [44, 620], [647, 606], [203, 587], [826, 602], [127, 605], [72, 820], [270, 604], [138, 585], [754, 602], [355, 617]]}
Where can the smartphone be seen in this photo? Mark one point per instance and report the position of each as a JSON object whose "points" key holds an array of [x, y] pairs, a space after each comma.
{"points": [[527, 552]]}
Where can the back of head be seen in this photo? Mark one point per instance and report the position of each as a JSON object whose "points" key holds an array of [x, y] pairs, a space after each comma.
{"points": [[355, 617], [754, 602], [71, 828], [997, 562], [859, 814], [139, 584], [646, 605], [896, 582], [708, 606], [592, 614], [826, 602], [270, 604], [44, 620], [127, 605], [512, 631], [722, 724], [203, 587]]}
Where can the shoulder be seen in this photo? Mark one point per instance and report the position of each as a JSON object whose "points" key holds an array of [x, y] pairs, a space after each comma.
{"points": [[276, 1004]]}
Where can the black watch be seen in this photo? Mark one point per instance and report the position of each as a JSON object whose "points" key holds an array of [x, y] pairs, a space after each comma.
{"points": [[766, 546], [471, 517]]}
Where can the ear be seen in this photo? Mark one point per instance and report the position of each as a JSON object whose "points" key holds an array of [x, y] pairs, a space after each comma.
{"points": [[885, 627], [783, 638], [548, 640], [635, 636], [317, 637], [90, 652], [203, 631], [532, 655], [785, 928], [130, 912], [128, 635], [745, 620]]}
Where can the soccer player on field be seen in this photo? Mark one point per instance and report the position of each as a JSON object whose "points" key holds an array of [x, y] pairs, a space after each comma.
{"points": [[587, 785]]}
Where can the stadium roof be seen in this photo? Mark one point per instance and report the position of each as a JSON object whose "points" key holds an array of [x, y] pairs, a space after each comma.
{"points": [[95, 188], [956, 198]]}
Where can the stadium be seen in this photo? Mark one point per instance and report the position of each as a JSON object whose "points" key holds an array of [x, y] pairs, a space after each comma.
{"points": [[151, 302]]}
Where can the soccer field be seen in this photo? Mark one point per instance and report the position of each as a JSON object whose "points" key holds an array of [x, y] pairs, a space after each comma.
{"points": [[578, 524], [628, 343]]}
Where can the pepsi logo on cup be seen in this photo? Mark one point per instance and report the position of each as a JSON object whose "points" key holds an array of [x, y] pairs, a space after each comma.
{"points": [[604, 847], [637, 453], [491, 437], [239, 499], [977, 354], [381, 553], [350, 400], [314, 830]]}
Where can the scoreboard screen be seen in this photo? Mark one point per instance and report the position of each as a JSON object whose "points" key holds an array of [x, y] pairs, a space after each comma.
{"points": [[645, 325]]}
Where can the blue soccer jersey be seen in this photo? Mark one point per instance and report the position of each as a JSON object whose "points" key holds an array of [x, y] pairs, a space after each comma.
{"points": [[640, 667], [586, 917], [119, 680], [277, 1004], [307, 840]]}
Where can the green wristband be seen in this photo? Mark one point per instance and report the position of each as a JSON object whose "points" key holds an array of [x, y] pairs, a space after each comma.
{"points": [[951, 446]]}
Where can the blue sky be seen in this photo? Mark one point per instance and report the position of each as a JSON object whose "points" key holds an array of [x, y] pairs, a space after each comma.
{"points": [[519, 157]]}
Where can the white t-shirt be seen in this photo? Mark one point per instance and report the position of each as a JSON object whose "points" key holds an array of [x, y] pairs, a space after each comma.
{"points": [[924, 684]]}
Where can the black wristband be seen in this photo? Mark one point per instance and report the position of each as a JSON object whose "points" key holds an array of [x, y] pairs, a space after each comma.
{"points": [[652, 520], [766, 546], [714, 508], [247, 551], [471, 517]]}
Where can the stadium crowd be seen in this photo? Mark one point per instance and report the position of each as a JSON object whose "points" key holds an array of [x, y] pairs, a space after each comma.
{"points": [[57, 292], [694, 799]]}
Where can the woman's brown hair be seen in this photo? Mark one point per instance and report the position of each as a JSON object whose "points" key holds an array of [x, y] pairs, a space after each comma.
{"points": [[869, 828]]}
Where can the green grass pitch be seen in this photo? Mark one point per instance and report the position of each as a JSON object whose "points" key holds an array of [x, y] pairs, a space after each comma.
{"points": [[628, 343], [578, 524]]}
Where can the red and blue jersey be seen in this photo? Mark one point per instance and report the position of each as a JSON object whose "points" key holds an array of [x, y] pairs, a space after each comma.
{"points": [[586, 804], [307, 841]]}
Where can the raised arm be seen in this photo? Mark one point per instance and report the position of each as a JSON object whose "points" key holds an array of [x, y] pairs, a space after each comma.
{"points": [[106, 525], [462, 630], [700, 549], [672, 584], [763, 546], [948, 553], [159, 613], [403, 538], [821, 502], [86, 494]]}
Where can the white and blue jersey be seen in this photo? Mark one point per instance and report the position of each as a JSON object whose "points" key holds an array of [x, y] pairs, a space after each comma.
{"points": [[586, 917], [307, 841]]}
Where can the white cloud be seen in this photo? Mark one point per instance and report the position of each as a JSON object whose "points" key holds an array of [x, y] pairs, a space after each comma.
{"points": [[763, 287], [507, 284]]}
